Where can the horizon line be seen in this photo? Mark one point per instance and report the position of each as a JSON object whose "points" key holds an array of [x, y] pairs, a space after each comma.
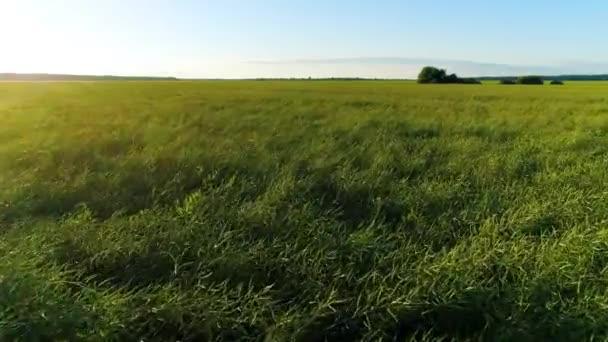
{"points": [[6, 76]]}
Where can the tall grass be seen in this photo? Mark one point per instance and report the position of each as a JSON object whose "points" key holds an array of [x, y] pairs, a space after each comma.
{"points": [[305, 211]]}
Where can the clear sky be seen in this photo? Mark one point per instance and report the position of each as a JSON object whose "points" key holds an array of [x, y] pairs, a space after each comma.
{"points": [[319, 38]]}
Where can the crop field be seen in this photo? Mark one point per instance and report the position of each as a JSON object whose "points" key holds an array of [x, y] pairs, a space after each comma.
{"points": [[303, 211]]}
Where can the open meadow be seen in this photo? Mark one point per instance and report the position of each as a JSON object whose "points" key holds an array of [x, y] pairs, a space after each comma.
{"points": [[304, 211]]}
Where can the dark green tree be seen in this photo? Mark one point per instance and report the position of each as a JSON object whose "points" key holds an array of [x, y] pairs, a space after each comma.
{"points": [[452, 78], [431, 74]]}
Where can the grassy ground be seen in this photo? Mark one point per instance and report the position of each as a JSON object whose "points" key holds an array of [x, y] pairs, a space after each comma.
{"points": [[307, 211]]}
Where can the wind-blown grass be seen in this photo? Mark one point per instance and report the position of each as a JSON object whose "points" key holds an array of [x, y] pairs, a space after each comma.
{"points": [[306, 211]]}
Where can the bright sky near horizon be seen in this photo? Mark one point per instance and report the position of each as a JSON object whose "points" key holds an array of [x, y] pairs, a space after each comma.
{"points": [[300, 38]]}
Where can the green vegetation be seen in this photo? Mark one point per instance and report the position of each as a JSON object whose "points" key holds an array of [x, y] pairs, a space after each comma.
{"points": [[557, 82], [530, 80], [431, 74], [506, 81], [306, 211]]}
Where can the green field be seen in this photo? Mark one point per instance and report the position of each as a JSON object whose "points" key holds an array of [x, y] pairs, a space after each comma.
{"points": [[305, 211]]}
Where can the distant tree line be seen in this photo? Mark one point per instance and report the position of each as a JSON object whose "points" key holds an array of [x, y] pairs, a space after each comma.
{"points": [[507, 81], [522, 80], [319, 79], [62, 77], [431, 74], [600, 77], [530, 80]]}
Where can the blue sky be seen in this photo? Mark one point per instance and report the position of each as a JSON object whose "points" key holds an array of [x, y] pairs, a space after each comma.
{"points": [[255, 38]]}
